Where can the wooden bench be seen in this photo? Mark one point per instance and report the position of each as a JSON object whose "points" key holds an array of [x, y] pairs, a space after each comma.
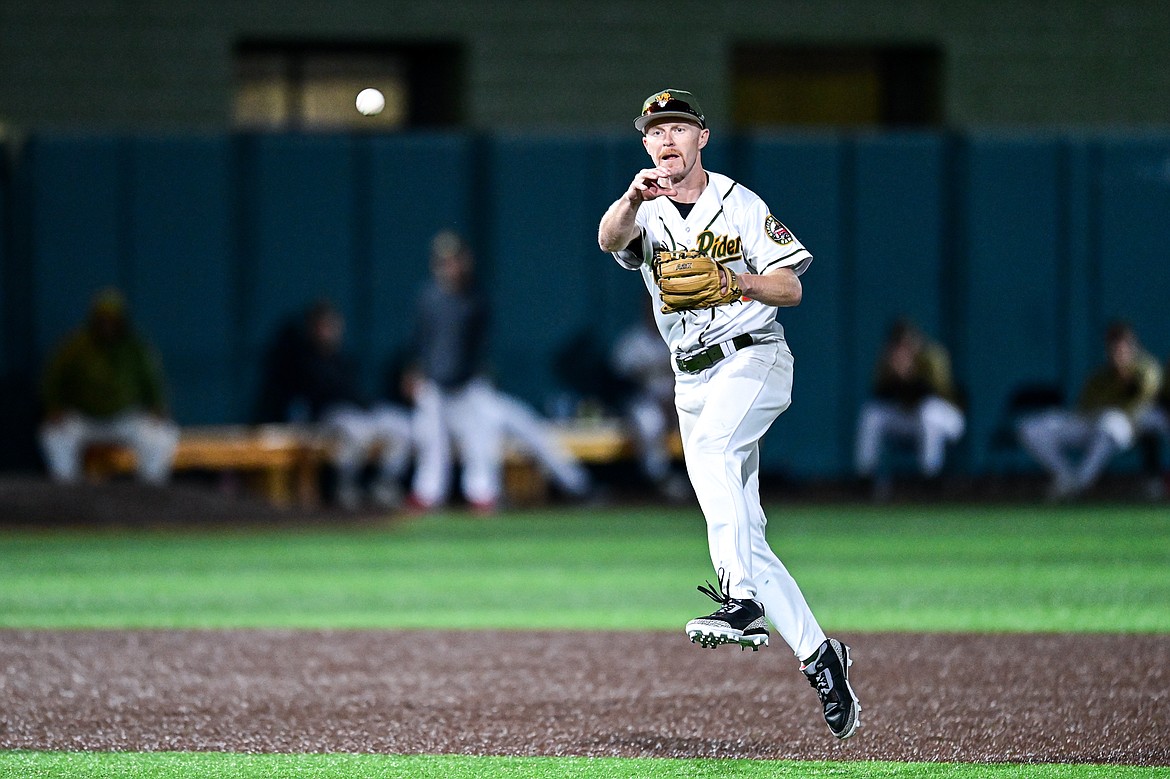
{"points": [[283, 462], [598, 442]]}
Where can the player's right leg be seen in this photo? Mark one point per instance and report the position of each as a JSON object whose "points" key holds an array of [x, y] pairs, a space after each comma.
{"points": [[351, 432], [941, 423], [474, 421], [1112, 432], [154, 442], [871, 430], [722, 416]]}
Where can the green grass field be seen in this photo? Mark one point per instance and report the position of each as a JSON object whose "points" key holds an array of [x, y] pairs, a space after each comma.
{"points": [[985, 568], [862, 568]]}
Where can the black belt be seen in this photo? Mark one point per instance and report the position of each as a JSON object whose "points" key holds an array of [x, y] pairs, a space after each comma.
{"points": [[712, 354]]}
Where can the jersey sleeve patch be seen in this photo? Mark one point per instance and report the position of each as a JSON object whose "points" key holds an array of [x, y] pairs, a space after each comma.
{"points": [[777, 231]]}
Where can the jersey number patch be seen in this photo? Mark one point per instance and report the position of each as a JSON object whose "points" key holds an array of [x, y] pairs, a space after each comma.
{"points": [[777, 231]]}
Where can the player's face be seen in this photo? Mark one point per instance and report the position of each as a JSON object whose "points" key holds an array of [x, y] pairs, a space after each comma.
{"points": [[675, 146]]}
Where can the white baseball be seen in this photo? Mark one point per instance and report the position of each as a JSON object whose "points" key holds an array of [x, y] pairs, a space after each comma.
{"points": [[370, 101]]}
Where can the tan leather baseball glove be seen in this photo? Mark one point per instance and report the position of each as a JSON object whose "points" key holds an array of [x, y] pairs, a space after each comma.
{"points": [[689, 280]]}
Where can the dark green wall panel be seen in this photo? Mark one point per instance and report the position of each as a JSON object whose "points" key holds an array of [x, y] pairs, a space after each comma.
{"points": [[1008, 301], [800, 180], [409, 188], [546, 270], [1132, 262], [296, 241], [77, 218]]}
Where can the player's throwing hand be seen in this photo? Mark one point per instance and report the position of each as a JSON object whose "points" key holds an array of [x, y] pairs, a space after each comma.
{"points": [[649, 184]]}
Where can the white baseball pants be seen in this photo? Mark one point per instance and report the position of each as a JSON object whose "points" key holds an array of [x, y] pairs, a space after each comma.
{"points": [[524, 429], [357, 430], [1050, 436], [723, 412], [931, 426], [468, 416], [650, 424], [153, 440]]}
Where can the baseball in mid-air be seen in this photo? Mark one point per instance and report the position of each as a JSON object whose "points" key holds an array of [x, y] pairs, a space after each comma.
{"points": [[370, 102]]}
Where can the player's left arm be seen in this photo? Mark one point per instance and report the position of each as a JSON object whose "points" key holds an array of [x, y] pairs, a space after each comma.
{"points": [[776, 287], [779, 256]]}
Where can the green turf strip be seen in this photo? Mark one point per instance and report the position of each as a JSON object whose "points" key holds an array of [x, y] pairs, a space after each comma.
{"points": [[862, 568], [165, 765]]}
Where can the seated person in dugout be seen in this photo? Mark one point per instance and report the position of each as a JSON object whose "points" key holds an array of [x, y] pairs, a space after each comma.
{"points": [[1116, 405], [913, 400], [104, 384], [322, 386], [641, 358], [1155, 439]]}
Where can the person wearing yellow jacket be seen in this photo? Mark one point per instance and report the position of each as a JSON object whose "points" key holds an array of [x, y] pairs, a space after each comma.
{"points": [[913, 399], [104, 383], [1116, 404]]}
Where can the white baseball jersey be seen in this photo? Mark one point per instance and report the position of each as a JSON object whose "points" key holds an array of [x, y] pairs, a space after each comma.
{"points": [[731, 224]]}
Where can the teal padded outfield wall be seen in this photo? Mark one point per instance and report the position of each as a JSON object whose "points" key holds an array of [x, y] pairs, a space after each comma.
{"points": [[1015, 250]]}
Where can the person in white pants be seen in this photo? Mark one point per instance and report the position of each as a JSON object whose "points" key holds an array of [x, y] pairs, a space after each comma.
{"points": [[453, 402], [461, 421], [640, 357], [733, 378], [358, 431], [1117, 403], [152, 438], [104, 384], [519, 426], [314, 381], [913, 401]]}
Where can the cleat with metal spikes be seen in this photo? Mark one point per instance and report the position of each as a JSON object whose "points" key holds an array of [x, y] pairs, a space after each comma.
{"points": [[737, 620]]}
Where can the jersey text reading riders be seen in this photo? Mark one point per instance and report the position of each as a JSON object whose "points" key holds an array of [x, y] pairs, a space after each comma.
{"points": [[731, 224]]}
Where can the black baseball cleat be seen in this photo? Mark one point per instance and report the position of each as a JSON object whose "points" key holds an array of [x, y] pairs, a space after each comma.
{"points": [[736, 621], [829, 676]]}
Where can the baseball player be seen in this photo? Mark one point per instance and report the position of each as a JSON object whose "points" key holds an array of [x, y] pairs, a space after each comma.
{"points": [[717, 265]]}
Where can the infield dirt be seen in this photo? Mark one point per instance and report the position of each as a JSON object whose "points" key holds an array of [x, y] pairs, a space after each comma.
{"points": [[935, 697]]}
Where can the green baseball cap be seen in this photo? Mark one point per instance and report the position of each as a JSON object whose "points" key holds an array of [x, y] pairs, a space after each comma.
{"points": [[670, 104]]}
